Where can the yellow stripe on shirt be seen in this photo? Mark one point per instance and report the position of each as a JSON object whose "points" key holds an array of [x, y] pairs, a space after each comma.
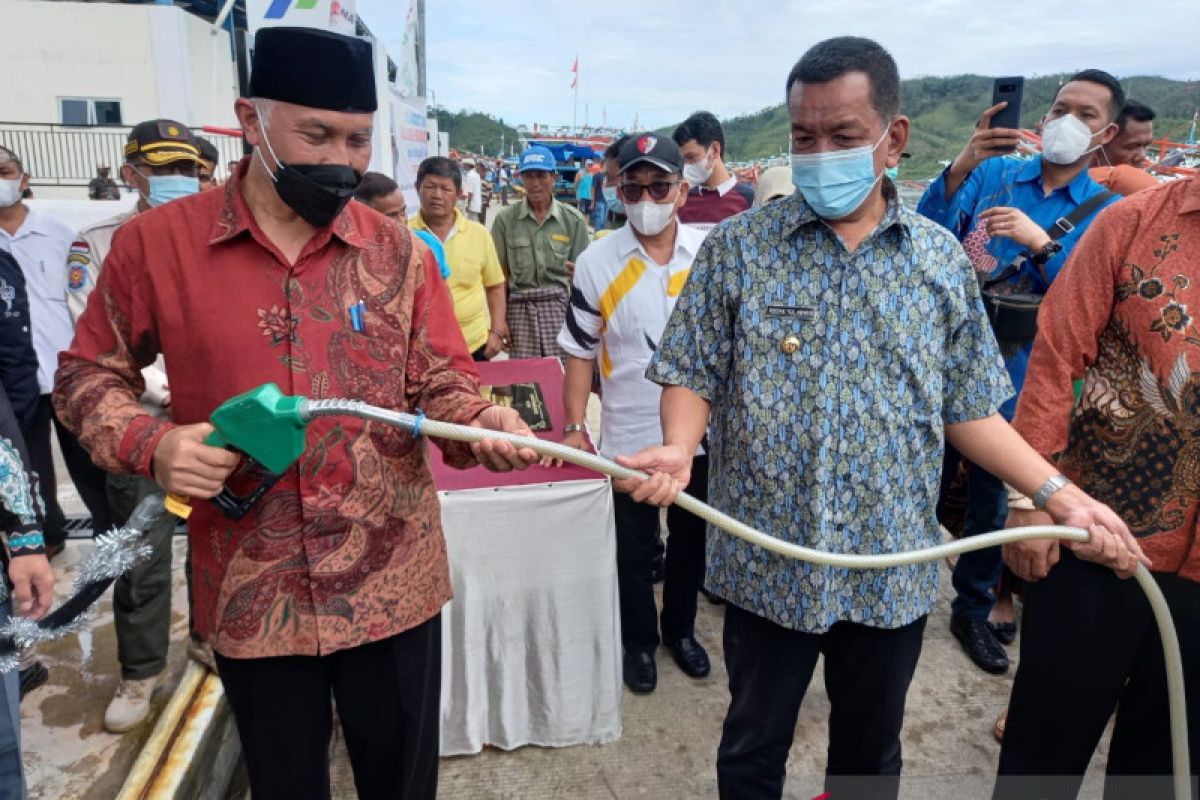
{"points": [[677, 282], [620, 287], [611, 298]]}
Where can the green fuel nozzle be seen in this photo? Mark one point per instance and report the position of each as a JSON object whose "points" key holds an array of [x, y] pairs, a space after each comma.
{"points": [[264, 423], [266, 426]]}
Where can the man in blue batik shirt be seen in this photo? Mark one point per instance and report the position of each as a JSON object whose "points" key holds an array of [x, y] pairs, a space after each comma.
{"points": [[832, 338], [1000, 208]]}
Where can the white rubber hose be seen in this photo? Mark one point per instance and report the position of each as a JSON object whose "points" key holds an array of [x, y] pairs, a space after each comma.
{"points": [[420, 426]]}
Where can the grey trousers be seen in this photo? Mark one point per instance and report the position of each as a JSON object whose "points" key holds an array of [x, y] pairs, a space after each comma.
{"points": [[12, 776], [142, 596]]}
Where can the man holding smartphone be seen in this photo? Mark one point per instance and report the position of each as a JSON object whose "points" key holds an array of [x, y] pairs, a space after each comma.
{"points": [[1019, 219]]}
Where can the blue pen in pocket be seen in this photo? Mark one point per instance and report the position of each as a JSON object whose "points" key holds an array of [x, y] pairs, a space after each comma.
{"points": [[357, 316]]}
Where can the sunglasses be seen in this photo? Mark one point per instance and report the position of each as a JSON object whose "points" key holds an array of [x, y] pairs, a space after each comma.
{"points": [[632, 192]]}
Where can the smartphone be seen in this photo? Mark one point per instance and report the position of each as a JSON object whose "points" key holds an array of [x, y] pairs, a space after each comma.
{"points": [[1009, 90]]}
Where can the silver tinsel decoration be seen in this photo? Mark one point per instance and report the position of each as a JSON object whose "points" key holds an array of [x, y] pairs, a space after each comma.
{"points": [[114, 554], [25, 633]]}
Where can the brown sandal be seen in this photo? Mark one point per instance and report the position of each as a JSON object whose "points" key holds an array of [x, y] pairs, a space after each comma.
{"points": [[998, 727]]}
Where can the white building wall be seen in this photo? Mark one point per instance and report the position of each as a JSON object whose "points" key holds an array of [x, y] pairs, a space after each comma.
{"points": [[157, 60], [211, 71]]}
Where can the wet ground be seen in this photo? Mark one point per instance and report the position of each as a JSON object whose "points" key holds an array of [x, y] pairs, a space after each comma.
{"points": [[669, 742], [667, 748], [67, 752]]}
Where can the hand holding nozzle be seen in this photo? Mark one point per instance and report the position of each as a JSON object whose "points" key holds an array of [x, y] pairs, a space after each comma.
{"points": [[184, 465]]}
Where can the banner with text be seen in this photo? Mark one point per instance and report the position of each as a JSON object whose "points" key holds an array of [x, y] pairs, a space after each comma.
{"points": [[330, 15], [407, 67], [410, 144]]}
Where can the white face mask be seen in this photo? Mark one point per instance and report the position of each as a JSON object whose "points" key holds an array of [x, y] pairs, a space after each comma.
{"points": [[648, 217], [696, 174], [10, 191], [1065, 140]]}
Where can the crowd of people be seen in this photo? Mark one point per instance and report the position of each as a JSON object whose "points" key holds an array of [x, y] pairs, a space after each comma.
{"points": [[810, 355]]}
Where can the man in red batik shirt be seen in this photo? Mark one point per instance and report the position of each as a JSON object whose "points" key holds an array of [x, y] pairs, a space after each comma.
{"points": [[1122, 317], [334, 582]]}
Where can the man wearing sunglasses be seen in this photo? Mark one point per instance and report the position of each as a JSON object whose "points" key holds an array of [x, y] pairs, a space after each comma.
{"points": [[624, 289], [163, 162]]}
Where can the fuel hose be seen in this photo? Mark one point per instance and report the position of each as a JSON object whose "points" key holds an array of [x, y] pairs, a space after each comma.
{"points": [[419, 425]]}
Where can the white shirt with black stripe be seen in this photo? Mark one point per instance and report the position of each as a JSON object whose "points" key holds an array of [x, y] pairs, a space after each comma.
{"points": [[620, 301]]}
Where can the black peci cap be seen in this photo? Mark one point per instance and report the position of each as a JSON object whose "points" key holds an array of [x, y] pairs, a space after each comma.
{"points": [[650, 148], [314, 68]]}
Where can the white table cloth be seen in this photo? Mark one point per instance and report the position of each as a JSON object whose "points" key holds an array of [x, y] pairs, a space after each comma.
{"points": [[531, 643]]}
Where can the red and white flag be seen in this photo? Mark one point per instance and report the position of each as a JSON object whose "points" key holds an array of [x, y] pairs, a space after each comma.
{"points": [[575, 70]]}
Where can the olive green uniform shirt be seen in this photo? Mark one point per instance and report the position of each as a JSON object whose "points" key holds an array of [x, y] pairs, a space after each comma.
{"points": [[535, 255]]}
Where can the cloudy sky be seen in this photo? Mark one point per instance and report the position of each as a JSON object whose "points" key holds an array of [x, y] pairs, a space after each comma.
{"points": [[662, 59]]}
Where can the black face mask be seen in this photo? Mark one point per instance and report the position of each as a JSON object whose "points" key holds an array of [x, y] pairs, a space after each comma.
{"points": [[317, 192]]}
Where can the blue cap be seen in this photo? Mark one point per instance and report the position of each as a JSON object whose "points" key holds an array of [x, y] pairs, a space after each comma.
{"points": [[537, 158]]}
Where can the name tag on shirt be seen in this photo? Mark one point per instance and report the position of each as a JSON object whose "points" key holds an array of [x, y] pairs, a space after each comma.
{"points": [[793, 312], [560, 237]]}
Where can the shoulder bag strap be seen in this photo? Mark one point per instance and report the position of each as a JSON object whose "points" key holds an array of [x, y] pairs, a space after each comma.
{"points": [[1064, 225]]}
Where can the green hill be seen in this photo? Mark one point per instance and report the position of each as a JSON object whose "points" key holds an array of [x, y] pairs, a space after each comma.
{"points": [[943, 111], [475, 131]]}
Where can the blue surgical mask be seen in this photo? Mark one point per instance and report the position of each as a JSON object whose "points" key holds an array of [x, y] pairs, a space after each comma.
{"points": [[836, 183], [165, 188], [613, 199]]}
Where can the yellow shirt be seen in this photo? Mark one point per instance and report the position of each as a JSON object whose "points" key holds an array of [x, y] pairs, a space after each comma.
{"points": [[474, 267]]}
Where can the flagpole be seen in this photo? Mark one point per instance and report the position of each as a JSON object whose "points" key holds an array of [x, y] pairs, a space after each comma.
{"points": [[575, 113]]}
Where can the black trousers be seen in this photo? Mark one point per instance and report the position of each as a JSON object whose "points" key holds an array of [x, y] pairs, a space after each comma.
{"points": [[867, 675], [387, 695], [637, 541], [1089, 645], [90, 480]]}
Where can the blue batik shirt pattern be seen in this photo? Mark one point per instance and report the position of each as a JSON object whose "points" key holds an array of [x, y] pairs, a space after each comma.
{"points": [[837, 445], [1015, 183]]}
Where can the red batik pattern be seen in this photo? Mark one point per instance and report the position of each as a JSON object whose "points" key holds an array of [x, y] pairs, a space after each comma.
{"points": [[347, 547]]}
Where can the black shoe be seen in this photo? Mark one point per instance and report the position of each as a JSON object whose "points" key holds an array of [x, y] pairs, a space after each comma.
{"points": [[32, 677], [690, 657], [639, 672], [1005, 632], [979, 643]]}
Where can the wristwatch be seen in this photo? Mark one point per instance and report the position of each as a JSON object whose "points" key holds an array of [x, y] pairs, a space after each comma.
{"points": [[1048, 251], [1052, 485], [573, 427]]}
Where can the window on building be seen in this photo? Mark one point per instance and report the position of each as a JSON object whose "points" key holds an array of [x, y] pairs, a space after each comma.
{"points": [[107, 112], [74, 112], [89, 111]]}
